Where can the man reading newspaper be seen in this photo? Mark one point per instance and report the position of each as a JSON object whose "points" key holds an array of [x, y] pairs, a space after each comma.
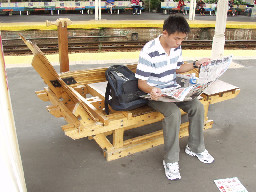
{"points": [[159, 62], [189, 87]]}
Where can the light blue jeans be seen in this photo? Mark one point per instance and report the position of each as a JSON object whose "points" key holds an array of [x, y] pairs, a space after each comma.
{"points": [[171, 126]]}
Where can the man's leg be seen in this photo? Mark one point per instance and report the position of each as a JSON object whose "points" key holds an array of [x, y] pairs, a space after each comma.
{"points": [[195, 110], [133, 10], [171, 127]]}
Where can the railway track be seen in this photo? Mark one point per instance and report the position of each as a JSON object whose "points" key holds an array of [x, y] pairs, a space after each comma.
{"points": [[50, 45]]}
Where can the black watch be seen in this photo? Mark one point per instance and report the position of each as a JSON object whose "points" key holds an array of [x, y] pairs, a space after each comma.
{"points": [[194, 64]]}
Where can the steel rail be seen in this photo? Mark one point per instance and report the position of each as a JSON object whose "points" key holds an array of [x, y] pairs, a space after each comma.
{"points": [[98, 46]]}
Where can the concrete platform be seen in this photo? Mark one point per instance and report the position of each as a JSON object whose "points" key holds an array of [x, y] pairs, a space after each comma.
{"points": [[119, 57], [54, 162], [30, 22]]}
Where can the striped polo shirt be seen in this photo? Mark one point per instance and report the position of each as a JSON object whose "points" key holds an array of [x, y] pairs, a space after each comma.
{"points": [[156, 67]]}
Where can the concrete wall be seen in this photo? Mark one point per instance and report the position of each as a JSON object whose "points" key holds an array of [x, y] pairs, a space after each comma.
{"points": [[129, 34]]}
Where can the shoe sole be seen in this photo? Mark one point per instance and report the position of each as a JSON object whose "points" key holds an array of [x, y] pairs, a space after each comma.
{"points": [[195, 155]]}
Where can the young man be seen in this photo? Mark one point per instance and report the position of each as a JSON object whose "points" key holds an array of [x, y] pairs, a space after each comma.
{"points": [[110, 4], [159, 61], [135, 5]]}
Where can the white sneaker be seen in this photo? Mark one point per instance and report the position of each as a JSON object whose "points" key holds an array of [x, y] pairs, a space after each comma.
{"points": [[172, 171], [204, 157]]}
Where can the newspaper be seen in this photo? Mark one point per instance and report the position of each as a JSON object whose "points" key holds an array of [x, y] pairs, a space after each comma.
{"points": [[185, 90], [230, 185]]}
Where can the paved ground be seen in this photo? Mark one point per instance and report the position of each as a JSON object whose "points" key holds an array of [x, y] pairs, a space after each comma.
{"points": [[53, 162], [86, 17]]}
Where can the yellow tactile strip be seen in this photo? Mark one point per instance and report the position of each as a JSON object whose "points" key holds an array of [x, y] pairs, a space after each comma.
{"points": [[121, 57], [119, 24]]}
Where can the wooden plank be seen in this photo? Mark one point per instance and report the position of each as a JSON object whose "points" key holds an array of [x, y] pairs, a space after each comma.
{"points": [[97, 89], [219, 87], [223, 96], [46, 72], [96, 128], [91, 75], [54, 110], [63, 46], [144, 142], [42, 95], [118, 138], [66, 113], [103, 142]]}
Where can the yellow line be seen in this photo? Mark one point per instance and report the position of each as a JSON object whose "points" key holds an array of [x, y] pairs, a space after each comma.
{"points": [[92, 24], [107, 57]]}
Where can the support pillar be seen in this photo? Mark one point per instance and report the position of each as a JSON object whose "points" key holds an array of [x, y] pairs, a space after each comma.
{"points": [[62, 24], [192, 9], [220, 27], [97, 9], [12, 175]]}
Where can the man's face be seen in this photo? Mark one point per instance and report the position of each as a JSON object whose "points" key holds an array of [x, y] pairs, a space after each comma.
{"points": [[174, 40]]}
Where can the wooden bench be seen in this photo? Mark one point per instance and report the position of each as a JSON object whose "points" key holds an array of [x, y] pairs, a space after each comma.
{"points": [[78, 97], [118, 5]]}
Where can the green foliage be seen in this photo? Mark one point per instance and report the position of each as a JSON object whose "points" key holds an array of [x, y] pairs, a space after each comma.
{"points": [[210, 1], [154, 4], [239, 2]]}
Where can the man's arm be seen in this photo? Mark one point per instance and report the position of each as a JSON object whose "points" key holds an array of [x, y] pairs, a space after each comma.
{"points": [[154, 92], [189, 66]]}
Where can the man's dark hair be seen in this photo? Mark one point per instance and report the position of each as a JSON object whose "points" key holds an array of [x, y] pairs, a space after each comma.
{"points": [[175, 24]]}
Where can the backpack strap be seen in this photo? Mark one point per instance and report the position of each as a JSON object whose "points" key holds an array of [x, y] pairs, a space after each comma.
{"points": [[107, 93]]}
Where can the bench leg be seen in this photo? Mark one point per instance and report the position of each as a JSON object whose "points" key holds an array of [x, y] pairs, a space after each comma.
{"points": [[124, 148], [118, 138]]}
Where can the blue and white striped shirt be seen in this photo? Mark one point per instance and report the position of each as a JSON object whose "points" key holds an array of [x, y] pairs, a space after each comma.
{"points": [[157, 67]]}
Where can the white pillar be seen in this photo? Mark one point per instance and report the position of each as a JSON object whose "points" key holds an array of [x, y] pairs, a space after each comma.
{"points": [[96, 9], [220, 27], [11, 174], [97, 6], [99, 9], [192, 10]]}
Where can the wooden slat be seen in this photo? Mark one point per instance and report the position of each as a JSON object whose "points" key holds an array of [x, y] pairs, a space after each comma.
{"points": [[63, 46], [118, 138], [144, 142], [219, 87], [42, 95], [103, 142]]}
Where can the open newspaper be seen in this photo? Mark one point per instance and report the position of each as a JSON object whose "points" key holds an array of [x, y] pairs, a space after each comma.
{"points": [[185, 91]]}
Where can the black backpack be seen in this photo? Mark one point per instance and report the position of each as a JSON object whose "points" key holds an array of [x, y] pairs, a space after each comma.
{"points": [[123, 88]]}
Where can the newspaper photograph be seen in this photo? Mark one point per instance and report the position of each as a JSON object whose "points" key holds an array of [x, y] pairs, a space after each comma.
{"points": [[190, 87]]}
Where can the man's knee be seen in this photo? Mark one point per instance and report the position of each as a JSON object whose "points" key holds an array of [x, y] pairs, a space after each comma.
{"points": [[167, 109], [172, 111], [197, 107]]}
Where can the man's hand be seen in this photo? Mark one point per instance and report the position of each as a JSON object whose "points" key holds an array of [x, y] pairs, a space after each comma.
{"points": [[155, 93], [204, 62]]}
